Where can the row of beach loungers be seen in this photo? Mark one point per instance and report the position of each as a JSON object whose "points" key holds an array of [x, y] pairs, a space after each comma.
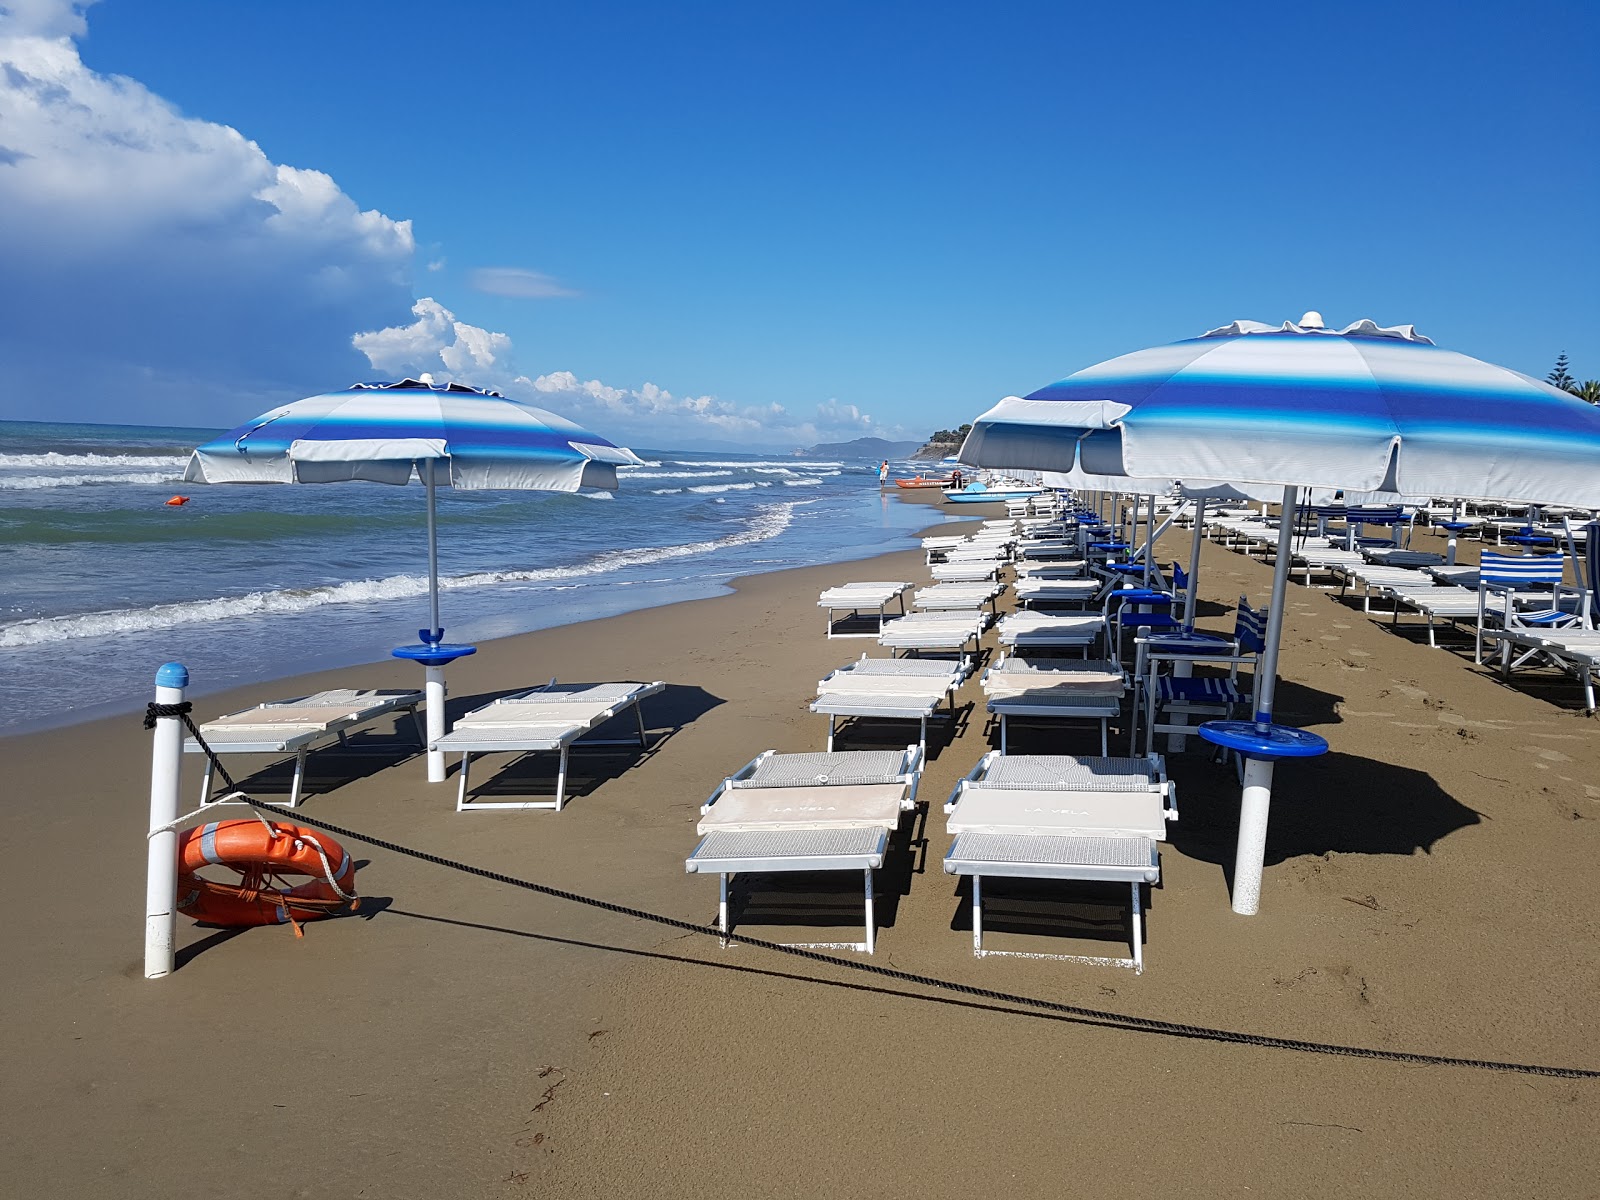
{"points": [[1079, 594], [1517, 606], [1015, 816]]}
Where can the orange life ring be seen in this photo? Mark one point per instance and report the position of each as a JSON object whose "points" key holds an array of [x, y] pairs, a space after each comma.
{"points": [[263, 856]]}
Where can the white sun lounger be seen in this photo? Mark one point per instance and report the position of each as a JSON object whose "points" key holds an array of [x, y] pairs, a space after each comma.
{"points": [[957, 597], [1057, 690], [1022, 630], [975, 570], [1033, 590], [935, 631], [1050, 817], [1575, 651], [1063, 549], [806, 812], [978, 551], [1059, 569], [297, 727], [553, 717], [896, 689], [856, 598]]}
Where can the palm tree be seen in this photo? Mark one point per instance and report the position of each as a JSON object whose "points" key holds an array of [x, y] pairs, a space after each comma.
{"points": [[1588, 390]]}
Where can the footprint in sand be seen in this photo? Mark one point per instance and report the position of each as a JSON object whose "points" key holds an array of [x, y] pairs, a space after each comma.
{"points": [[1359, 653], [1554, 756]]}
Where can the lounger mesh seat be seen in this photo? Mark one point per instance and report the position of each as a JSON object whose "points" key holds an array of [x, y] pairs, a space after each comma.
{"points": [[759, 849], [840, 768], [1068, 772], [1119, 859]]}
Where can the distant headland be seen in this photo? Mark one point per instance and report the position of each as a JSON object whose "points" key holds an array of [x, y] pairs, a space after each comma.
{"points": [[943, 443]]}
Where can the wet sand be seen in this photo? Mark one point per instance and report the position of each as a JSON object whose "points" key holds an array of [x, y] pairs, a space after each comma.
{"points": [[1430, 887]]}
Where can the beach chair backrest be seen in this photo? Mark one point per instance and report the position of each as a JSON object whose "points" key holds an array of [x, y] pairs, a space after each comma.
{"points": [[1180, 579], [1379, 515], [1513, 570], [1250, 628]]}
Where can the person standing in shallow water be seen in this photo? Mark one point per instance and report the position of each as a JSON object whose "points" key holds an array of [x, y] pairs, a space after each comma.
{"points": [[883, 474]]}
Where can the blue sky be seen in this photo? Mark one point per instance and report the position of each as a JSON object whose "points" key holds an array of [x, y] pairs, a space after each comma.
{"points": [[768, 224]]}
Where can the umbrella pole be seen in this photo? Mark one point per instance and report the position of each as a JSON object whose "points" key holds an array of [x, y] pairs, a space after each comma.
{"points": [[433, 556], [1194, 562], [1150, 539], [433, 675], [1250, 855]]}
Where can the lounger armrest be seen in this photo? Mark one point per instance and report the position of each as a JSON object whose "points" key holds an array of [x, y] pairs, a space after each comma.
{"points": [[1170, 812], [749, 768], [955, 796], [913, 775]]}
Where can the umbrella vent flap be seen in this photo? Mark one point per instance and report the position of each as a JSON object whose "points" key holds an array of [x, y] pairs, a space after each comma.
{"points": [[376, 460]]}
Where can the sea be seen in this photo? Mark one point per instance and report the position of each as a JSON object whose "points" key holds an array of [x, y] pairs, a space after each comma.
{"points": [[102, 581]]}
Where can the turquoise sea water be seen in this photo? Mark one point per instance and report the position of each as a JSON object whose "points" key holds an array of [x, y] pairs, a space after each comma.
{"points": [[101, 581]]}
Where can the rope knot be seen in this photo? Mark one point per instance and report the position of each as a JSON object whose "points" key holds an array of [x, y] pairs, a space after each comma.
{"points": [[153, 712]]}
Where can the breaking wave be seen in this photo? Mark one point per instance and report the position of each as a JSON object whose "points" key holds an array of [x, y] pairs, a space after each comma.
{"points": [[769, 521]]}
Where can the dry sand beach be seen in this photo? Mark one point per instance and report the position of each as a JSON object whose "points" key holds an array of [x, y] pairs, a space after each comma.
{"points": [[1430, 887]]}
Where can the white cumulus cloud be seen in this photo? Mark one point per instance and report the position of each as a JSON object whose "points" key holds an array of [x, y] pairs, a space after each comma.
{"points": [[163, 263], [450, 348], [156, 266], [438, 343]]}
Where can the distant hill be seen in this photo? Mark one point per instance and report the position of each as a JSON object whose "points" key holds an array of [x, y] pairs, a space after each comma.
{"points": [[868, 447], [936, 450]]}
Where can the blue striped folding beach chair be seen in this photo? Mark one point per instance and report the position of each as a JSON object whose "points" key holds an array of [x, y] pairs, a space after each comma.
{"points": [[1209, 695], [1389, 517], [1505, 580]]}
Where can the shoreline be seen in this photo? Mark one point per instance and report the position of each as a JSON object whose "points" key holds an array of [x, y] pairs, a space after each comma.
{"points": [[465, 1038], [199, 689]]}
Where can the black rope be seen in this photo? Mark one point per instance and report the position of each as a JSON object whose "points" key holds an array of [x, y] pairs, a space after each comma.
{"points": [[1101, 1016]]}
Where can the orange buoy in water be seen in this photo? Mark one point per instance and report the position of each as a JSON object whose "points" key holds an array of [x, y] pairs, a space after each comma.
{"points": [[264, 856], [176, 501]]}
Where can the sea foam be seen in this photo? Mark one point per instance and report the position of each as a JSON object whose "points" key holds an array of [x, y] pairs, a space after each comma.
{"points": [[769, 521]]}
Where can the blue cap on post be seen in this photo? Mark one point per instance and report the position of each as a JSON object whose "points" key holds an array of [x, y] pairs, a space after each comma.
{"points": [[173, 675]]}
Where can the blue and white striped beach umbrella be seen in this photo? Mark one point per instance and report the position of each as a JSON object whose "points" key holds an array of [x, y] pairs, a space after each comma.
{"points": [[1366, 409], [445, 435], [389, 432]]}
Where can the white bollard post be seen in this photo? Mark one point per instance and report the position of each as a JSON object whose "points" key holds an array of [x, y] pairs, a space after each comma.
{"points": [[1251, 854], [161, 878], [434, 692]]}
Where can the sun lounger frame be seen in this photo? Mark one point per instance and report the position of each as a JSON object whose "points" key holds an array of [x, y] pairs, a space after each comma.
{"points": [[305, 736], [844, 846], [500, 742], [885, 598], [1104, 858], [887, 704]]}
